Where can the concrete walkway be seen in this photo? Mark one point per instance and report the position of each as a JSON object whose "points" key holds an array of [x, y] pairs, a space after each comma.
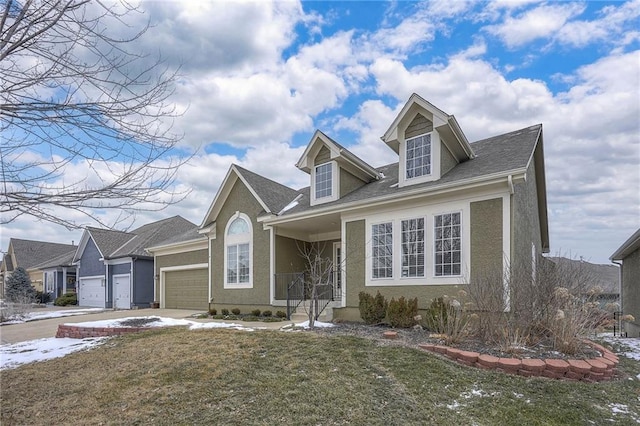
{"points": [[39, 329]]}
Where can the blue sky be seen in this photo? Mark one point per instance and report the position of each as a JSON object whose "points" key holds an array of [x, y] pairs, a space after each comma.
{"points": [[259, 78]]}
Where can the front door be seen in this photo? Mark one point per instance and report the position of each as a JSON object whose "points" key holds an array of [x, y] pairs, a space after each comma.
{"points": [[122, 291]]}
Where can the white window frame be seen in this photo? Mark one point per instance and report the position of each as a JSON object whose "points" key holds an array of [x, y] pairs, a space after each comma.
{"points": [[335, 184], [434, 174], [460, 236], [428, 211], [236, 240], [425, 235], [393, 251]]}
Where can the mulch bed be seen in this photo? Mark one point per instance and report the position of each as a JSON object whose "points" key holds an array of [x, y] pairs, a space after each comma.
{"points": [[412, 337]]}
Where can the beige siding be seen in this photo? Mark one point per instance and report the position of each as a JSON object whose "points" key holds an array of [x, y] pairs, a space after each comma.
{"points": [[486, 238], [631, 291], [419, 126], [241, 200], [180, 259], [323, 156], [348, 182]]}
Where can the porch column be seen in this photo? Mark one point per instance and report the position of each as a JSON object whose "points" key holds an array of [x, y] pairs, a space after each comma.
{"points": [[64, 280]]}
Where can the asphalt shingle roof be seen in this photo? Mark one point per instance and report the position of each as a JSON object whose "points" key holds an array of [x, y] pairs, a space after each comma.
{"points": [[65, 259], [502, 153], [153, 233], [190, 235], [29, 253], [108, 241], [275, 195]]}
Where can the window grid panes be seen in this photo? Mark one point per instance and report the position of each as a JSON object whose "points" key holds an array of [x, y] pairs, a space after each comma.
{"points": [[324, 182], [238, 263], [413, 248], [382, 250], [447, 240], [418, 161]]}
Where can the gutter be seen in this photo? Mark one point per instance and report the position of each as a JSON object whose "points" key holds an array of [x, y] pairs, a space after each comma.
{"points": [[342, 208]]}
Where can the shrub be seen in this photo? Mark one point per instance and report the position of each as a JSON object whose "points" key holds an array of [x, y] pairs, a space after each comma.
{"points": [[255, 312], [213, 312], [448, 317], [267, 313], [42, 297], [372, 309], [224, 311], [250, 318], [401, 313], [235, 311], [281, 314], [67, 299]]}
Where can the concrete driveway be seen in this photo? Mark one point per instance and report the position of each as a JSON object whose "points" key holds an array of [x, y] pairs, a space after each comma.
{"points": [[14, 333]]}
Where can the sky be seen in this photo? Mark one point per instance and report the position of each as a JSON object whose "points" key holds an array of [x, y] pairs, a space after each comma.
{"points": [[258, 78]]}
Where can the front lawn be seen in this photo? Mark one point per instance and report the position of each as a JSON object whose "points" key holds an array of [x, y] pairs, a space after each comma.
{"points": [[176, 376]]}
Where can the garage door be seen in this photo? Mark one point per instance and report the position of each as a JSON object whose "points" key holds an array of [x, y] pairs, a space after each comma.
{"points": [[186, 289], [91, 292]]}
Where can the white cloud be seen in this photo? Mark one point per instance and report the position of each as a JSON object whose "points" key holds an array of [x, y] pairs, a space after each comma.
{"points": [[541, 22]]}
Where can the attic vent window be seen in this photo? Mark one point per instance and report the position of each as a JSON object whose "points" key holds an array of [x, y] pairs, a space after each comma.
{"points": [[418, 158], [324, 180]]}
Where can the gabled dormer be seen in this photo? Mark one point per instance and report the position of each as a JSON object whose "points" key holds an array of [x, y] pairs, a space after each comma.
{"points": [[428, 141], [334, 170]]}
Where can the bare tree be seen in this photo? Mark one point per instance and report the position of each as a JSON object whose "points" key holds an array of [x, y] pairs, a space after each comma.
{"points": [[75, 95], [319, 275]]}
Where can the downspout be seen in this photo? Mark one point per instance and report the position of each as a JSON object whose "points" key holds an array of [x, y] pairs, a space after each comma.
{"points": [[131, 280], [619, 288], [510, 181]]}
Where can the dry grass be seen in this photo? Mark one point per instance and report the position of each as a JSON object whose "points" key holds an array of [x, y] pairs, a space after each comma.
{"points": [[268, 377]]}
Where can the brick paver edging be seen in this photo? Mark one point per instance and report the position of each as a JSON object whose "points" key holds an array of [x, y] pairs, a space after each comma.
{"points": [[77, 332], [587, 370]]}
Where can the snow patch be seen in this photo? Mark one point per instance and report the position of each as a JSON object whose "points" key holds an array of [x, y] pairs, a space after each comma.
{"points": [[12, 356], [629, 347], [318, 324], [35, 316]]}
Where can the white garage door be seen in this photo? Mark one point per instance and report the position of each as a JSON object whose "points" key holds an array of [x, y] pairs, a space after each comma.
{"points": [[122, 291], [91, 293]]}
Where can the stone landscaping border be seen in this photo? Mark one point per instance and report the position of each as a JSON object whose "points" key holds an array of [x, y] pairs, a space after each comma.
{"points": [[588, 370], [77, 332]]}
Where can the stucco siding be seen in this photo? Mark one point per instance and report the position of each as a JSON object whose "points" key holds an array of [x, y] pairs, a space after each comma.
{"points": [[525, 223], [241, 200], [90, 263], [419, 126], [486, 238], [348, 182], [631, 291]]}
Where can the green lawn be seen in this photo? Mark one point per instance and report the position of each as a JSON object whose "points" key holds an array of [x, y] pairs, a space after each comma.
{"points": [[176, 376]]}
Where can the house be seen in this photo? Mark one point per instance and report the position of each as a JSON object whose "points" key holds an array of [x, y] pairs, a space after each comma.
{"points": [[113, 268], [628, 257], [29, 254], [59, 275], [447, 211]]}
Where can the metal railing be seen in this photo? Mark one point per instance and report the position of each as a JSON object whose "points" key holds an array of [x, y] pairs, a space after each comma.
{"points": [[293, 288]]}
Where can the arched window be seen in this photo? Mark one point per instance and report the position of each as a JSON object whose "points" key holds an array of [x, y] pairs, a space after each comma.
{"points": [[238, 252]]}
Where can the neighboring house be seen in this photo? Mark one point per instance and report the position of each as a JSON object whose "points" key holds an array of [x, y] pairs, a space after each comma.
{"points": [[59, 275], [628, 257], [114, 269], [446, 212], [30, 254]]}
